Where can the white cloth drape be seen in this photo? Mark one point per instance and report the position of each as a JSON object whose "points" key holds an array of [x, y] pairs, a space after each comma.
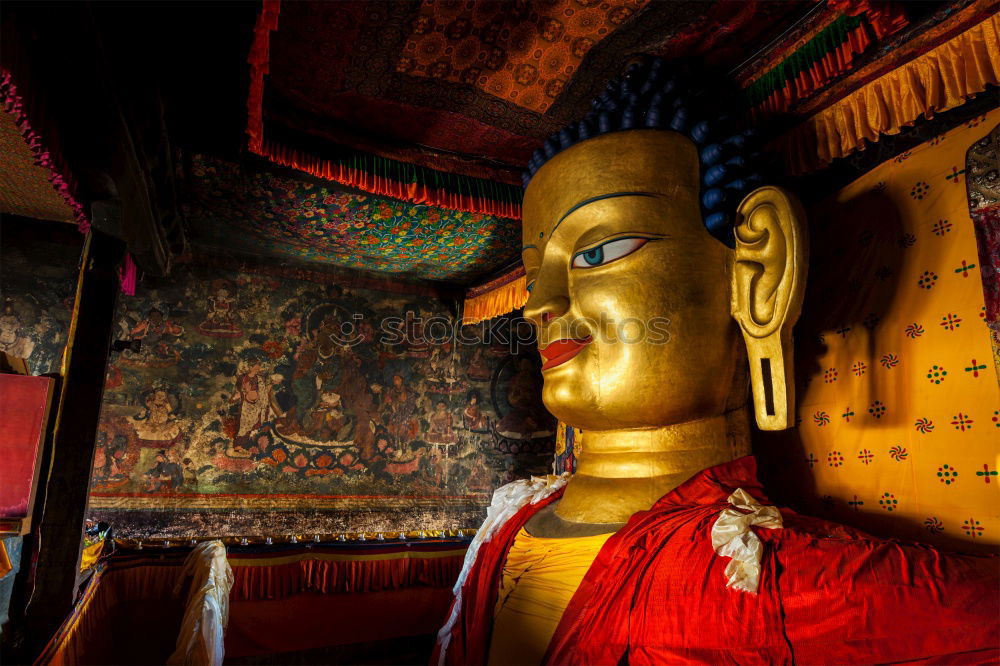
{"points": [[201, 641], [732, 537], [507, 500]]}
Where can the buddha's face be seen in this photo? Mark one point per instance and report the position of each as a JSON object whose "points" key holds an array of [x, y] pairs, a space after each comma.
{"points": [[629, 292]]}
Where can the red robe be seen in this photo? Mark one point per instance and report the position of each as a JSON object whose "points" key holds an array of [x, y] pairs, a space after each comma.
{"points": [[828, 594]]}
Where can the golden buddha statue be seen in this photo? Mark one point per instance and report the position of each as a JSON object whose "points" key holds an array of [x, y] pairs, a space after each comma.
{"points": [[654, 303]]}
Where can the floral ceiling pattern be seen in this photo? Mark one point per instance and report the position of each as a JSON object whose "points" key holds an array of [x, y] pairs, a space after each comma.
{"points": [[263, 213]]}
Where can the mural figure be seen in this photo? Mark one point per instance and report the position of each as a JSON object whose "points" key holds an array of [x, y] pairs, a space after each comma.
{"points": [[328, 422], [416, 345], [157, 424], [472, 416], [220, 321], [12, 340], [402, 403], [158, 335], [441, 430], [478, 369], [252, 396], [526, 419], [109, 458], [164, 475], [444, 375]]}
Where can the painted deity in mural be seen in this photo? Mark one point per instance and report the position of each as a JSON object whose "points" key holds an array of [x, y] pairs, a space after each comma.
{"points": [[478, 369], [526, 418], [220, 320], [109, 458], [441, 430], [13, 340], [252, 396], [164, 475], [472, 416], [416, 344], [402, 404], [157, 424], [158, 335], [328, 422]]}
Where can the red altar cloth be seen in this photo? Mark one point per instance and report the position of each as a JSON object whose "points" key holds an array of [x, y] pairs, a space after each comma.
{"points": [[828, 594]]}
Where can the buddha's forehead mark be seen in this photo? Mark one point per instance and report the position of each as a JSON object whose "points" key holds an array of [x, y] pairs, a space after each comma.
{"points": [[589, 200]]}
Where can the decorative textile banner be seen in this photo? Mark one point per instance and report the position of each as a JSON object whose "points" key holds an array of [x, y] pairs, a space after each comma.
{"points": [[261, 402], [898, 400], [941, 79], [497, 297]]}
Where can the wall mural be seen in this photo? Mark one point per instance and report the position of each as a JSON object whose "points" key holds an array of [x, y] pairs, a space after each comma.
{"points": [[37, 288], [262, 403]]}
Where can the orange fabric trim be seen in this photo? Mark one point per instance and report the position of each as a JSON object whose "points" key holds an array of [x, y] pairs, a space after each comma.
{"points": [[939, 80], [506, 297]]}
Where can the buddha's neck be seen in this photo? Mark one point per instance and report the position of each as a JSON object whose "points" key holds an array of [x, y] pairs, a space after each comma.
{"points": [[620, 472]]}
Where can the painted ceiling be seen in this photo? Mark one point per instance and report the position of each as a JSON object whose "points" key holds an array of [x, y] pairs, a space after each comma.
{"points": [[440, 104], [472, 87], [292, 217]]}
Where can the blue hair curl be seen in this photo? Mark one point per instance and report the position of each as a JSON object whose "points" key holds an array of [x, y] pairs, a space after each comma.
{"points": [[658, 95]]}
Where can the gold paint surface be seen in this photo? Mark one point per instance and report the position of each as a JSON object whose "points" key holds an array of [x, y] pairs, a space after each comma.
{"points": [[617, 258]]}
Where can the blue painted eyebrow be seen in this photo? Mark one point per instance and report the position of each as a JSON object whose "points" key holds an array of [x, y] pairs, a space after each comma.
{"points": [[577, 206]]}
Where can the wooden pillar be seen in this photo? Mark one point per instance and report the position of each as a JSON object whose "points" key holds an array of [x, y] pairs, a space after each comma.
{"points": [[59, 531]]}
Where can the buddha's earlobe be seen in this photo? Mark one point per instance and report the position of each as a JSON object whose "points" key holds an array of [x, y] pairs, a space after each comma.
{"points": [[769, 275]]}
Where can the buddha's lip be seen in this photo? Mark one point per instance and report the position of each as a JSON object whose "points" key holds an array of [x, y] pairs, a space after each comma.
{"points": [[560, 351]]}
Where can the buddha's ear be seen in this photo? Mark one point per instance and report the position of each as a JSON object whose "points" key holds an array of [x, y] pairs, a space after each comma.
{"points": [[769, 276]]}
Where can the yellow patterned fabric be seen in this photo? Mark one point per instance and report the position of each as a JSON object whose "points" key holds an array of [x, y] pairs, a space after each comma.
{"points": [[539, 579], [897, 394], [939, 80]]}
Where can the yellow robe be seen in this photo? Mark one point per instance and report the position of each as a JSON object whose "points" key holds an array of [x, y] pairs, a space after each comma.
{"points": [[538, 581]]}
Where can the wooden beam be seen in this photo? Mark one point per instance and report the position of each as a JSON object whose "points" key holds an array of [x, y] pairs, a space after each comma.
{"points": [[59, 530]]}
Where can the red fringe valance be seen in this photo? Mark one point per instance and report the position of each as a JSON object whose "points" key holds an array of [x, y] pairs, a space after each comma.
{"points": [[368, 181], [413, 192], [279, 577]]}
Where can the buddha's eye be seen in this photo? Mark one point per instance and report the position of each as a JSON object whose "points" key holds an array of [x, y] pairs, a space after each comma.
{"points": [[530, 286], [605, 253]]}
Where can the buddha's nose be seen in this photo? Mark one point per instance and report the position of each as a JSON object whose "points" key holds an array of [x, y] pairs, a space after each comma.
{"points": [[542, 310]]}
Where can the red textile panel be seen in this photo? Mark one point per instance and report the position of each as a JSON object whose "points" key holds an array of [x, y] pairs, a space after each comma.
{"points": [[310, 620], [24, 405]]}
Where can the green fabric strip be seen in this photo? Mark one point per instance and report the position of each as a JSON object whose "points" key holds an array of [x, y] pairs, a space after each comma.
{"points": [[802, 60]]}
